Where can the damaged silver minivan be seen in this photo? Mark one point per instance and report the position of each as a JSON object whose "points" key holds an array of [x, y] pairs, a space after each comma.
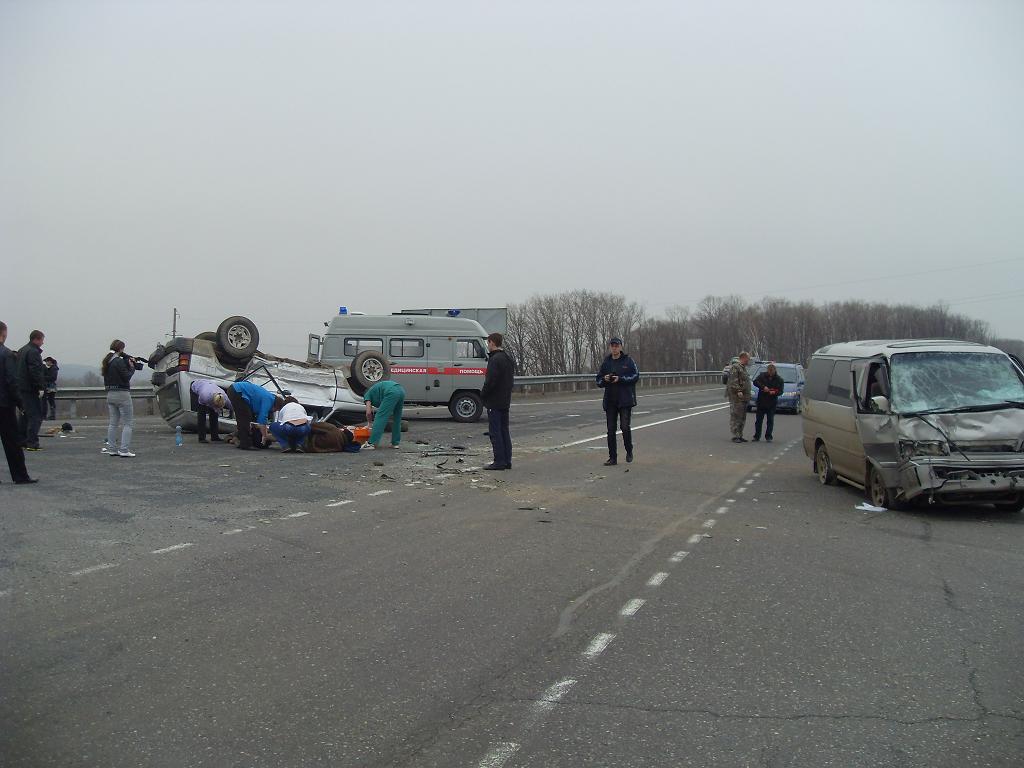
{"points": [[909, 420]]}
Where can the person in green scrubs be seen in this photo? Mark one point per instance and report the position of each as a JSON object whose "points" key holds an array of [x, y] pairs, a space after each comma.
{"points": [[387, 397]]}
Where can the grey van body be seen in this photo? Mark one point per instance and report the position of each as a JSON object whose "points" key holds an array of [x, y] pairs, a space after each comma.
{"points": [[437, 360], [938, 419]]}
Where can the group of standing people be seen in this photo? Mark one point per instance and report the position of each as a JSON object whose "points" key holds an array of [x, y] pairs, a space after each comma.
{"points": [[23, 385], [738, 391]]}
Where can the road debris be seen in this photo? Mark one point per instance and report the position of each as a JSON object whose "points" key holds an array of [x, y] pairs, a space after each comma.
{"points": [[865, 507]]}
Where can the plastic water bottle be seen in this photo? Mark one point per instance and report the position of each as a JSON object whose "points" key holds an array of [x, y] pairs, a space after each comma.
{"points": [[177, 437]]}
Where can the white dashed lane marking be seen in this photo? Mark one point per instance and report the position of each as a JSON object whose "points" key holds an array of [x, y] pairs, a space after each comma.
{"points": [[721, 510], [499, 754], [749, 482], [93, 569], [598, 645], [553, 695], [378, 493], [741, 490], [695, 539], [340, 503], [678, 557], [172, 548], [631, 607], [657, 579], [709, 523]]}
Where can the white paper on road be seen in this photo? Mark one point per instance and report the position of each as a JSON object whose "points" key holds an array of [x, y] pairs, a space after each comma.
{"points": [[865, 507]]}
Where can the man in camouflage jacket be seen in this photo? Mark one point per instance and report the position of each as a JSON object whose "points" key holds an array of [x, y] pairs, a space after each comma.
{"points": [[737, 391]]}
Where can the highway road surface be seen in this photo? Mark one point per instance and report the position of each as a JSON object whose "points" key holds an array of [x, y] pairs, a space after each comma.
{"points": [[708, 605]]}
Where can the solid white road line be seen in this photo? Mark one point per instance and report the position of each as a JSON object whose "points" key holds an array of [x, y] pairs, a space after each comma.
{"points": [[499, 754], [657, 579], [645, 426], [93, 569], [695, 539], [678, 557], [172, 548], [709, 523], [598, 645], [378, 493], [340, 503], [632, 606]]}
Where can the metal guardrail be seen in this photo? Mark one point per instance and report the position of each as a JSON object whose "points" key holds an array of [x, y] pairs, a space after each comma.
{"points": [[571, 382]]}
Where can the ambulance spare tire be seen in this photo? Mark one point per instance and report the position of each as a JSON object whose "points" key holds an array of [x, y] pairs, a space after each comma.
{"points": [[370, 367], [237, 338]]}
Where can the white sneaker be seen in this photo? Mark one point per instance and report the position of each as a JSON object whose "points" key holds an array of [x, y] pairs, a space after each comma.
{"points": [[369, 447], [126, 454], [105, 449], [396, 447]]}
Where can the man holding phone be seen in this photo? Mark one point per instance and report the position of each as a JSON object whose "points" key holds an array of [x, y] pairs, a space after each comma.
{"points": [[617, 377]]}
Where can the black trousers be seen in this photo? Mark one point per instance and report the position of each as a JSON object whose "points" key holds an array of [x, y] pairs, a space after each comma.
{"points": [[12, 448], [761, 413], [619, 418], [48, 405], [501, 439], [31, 419], [243, 417], [205, 412]]}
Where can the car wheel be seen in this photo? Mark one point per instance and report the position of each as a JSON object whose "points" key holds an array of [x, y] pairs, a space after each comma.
{"points": [[878, 494], [207, 336], [369, 368], [1011, 506], [237, 338], [823, 466], [466, 407]]}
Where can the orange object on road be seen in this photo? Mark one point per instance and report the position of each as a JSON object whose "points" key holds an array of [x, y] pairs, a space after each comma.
{"points": [[361, 434]]}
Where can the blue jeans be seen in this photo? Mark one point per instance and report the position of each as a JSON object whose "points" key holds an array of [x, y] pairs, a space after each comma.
{"points": [[501, 439], [290, 435], [122, 414]]}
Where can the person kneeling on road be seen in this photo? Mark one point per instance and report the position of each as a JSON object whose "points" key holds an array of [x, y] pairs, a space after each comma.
{"points": [[251, 403], [208, 400], [291, 427], [388, 398]]}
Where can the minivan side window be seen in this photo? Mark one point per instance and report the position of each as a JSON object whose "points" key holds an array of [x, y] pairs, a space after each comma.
{"points": [[406, 348], [470, 349], [818, 377], [354, 346], [839, 386]]}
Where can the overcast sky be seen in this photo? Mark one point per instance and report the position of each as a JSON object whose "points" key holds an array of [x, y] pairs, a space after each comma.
{"points": [[278, 159]]}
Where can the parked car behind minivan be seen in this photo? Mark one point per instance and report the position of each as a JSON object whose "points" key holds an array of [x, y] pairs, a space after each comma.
{"points": [[917, 419]]}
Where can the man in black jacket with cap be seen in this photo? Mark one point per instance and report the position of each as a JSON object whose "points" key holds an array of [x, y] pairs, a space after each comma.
{"points": [[497, 397], [8, 418], [617, 377]]}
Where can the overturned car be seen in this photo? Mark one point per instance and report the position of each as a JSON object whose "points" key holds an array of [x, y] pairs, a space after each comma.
{"points": [[328, 393], [918, 419]]}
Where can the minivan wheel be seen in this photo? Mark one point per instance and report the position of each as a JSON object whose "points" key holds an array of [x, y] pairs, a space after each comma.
{"points": [[878, 494], [237, 338], [823, 466], [369, 368], [466, 407]]}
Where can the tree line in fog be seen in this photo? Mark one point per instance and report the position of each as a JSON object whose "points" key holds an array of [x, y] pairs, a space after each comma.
{"points": [[568, 332]]}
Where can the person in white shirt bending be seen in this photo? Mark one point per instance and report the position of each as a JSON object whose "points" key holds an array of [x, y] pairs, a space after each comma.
{"points": [[292, 426]]}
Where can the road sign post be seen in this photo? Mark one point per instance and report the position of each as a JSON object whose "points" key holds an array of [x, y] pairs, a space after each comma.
{"points": [[695, 344]]}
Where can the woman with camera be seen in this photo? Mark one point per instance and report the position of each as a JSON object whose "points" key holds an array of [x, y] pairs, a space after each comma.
{"points": [[117, 369]]}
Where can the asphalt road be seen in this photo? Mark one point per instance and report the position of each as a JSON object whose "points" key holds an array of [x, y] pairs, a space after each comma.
{"points": [[708, 605]]}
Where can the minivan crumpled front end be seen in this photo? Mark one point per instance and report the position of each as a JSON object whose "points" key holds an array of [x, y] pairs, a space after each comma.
{"points": [[963, 458]]}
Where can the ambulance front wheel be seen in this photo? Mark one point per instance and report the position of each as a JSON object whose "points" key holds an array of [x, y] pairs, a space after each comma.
{"points": [[466, 407]]}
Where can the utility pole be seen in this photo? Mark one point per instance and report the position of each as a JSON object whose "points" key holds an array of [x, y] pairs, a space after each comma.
{"points": [[174, 324]]}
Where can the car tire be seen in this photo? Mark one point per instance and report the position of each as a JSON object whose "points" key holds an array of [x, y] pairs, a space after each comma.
{"points": [[823, 466], [237, 338], [405, 426], [1011, 506], [369, 368], [876, 492], [466, 407], [207, 336]]}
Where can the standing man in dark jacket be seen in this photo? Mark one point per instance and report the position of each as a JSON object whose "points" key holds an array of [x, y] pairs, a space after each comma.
{"points": [[769, 386], [497, 397], [618, 376], [8, 417], [31, 385], [48, 403]]}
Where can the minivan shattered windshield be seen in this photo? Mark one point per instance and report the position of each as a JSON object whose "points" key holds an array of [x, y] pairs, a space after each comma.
{"points": [[946, 381]]}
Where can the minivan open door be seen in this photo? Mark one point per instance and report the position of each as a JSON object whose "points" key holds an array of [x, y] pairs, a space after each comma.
{"points": [[877, 429], [315, 345]]}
